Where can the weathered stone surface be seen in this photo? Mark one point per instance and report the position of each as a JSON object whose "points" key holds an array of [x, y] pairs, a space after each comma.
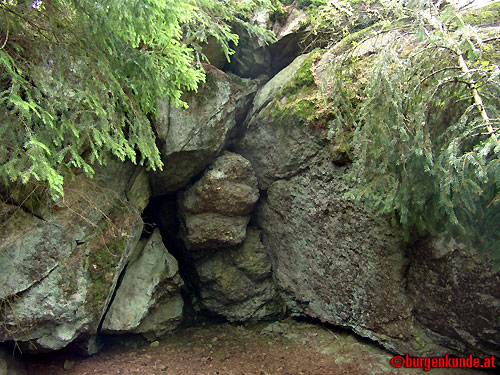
{"points": [[269, 90], [30, 249], [32, 246], [63, 268], [228, 187], [150, 283], [214, 53], [214, 211], [165, 317], [236, 283], [11, 365], [331, 259], [456, 295], [277, 149], [191, 138], [290, 34], [138, 192], [231, 281], [211, 230], [251, 57], [334, 258]]}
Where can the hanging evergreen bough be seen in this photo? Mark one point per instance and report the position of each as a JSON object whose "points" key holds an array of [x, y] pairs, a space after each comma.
{"points": [[428, 142], [79, 79]]}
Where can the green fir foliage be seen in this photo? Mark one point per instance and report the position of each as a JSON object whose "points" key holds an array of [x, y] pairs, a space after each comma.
{"points": [[79, 79], [330, 21], [427, 135]]}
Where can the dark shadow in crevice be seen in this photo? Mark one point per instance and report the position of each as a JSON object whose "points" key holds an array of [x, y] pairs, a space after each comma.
{"points": [[162, 213]]}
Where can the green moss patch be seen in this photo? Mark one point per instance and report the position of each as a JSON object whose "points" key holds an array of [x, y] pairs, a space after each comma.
{"points": [[485, 16], [298, 98], [302, 101], [104, 254]]}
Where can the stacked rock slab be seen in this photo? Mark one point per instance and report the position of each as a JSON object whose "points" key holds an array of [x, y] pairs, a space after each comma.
{"points": [[215, 210], [233, 269], [148, 299]]}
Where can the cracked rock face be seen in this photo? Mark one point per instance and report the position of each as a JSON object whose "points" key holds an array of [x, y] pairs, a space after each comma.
{"points": [[190, 139], [276, 149], [331, 259], [456, 294], [62, 268], [148, 299], [334, 260], [228, 187], [233, 270]]}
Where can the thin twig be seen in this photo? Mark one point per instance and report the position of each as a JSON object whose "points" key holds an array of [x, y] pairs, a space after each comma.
{"points": [[7, 34]]}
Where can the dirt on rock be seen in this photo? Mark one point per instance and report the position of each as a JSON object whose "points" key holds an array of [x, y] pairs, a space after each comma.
{"points": [[285, 348]]}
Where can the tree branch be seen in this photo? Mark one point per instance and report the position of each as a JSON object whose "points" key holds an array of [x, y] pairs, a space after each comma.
{"points": [[475, 94]]}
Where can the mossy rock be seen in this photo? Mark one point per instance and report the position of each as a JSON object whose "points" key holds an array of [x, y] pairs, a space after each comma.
{"points": [[485, 16], [108, 252], [298, 97]]}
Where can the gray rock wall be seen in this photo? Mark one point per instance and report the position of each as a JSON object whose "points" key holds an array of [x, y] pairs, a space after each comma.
{"points": [[62, 269], [151, 283], [335, 261]]}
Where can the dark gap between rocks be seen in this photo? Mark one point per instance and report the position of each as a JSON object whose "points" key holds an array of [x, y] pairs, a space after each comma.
{"points": [[161, 213]]}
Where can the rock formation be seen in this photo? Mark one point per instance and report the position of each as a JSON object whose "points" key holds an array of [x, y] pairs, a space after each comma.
{"points": [[233, 271], [264, 229], [59, 272], [148, 299]]}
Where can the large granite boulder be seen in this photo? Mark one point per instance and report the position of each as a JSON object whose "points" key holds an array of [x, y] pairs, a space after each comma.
{"points": [[290, 34], [251, 57], [58, 272], [210, 231], [236, 283], [148, 298], [334, 260], [281, 148], [190, 139]]}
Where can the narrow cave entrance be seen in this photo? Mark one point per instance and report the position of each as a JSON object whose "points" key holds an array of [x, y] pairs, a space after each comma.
{"points": [[162, 213]]}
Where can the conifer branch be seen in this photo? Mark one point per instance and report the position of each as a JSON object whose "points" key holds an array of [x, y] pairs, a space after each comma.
{"points": [[475, 93]]}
